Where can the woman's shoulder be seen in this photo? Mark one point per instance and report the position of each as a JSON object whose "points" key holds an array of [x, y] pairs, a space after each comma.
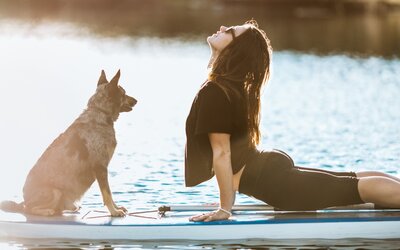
{"points": [[223, 91], [209, 86], [211, 89]]}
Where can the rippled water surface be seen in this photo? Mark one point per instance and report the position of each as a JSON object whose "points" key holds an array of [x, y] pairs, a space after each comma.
{"points": [[334, 112]]}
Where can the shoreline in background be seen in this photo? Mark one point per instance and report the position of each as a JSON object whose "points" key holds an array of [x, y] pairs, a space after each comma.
{"points": [[355, 27]]}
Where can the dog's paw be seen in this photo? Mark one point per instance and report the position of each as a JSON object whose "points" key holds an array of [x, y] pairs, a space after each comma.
{"points": [[118, 213], [123, 209]]}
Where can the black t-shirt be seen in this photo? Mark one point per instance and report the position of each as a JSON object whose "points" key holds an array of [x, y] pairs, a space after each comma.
{"points": [[213, 112]]}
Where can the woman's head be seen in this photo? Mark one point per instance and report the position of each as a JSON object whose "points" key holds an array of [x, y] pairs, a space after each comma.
{"points": [[243, 54], [240, 50], [222, 38]]}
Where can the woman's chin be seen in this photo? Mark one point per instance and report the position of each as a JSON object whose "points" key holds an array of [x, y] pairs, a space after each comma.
{"points": [[210, 41]]}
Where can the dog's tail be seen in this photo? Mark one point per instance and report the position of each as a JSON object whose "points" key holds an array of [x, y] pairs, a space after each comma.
{"points": [[12, 206]]}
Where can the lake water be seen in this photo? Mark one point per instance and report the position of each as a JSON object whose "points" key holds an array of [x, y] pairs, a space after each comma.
{"points": [[335, 112]]}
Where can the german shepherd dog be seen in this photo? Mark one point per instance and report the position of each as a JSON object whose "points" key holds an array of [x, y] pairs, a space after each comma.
{"points": [[77, 158]]}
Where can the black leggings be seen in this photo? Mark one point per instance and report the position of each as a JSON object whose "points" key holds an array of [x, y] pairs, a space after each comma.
{"points": [[273, 178]]}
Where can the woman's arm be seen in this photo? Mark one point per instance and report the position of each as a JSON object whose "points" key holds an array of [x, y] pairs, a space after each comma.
{"points": [[220, 144], [223, 168]]}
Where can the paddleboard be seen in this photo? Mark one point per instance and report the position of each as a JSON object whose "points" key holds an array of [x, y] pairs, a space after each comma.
{"points": [[151, 225]]}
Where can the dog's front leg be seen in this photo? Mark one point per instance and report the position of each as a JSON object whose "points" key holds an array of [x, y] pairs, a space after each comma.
{"points": [[102, 178]]}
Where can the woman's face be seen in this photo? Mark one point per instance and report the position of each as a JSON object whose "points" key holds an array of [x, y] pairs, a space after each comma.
{"points": [[219, 40]]}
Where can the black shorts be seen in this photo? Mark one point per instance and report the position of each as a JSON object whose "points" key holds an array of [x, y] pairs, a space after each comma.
{"points": [[273, 178]]}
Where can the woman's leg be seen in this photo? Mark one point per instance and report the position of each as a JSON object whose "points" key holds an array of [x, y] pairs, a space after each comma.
{"points": [[305, 189], [279, 183], [381, 190], [376, 173], [294, 188], [374, 186]]}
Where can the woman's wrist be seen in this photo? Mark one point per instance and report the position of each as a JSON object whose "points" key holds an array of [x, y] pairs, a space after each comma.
{"points": [[225, 211]]}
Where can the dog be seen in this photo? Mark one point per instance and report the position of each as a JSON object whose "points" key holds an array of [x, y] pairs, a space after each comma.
{"points": [[77, 157]]}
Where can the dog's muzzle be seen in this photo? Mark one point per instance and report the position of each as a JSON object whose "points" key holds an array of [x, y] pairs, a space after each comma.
{"points": [[129, 103]]}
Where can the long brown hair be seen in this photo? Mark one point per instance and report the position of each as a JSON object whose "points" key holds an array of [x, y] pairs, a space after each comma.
{"points": [[245, 62]]}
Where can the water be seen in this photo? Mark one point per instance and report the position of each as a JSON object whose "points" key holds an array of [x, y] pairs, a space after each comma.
{"points": [[335, 112], [194, 245]]}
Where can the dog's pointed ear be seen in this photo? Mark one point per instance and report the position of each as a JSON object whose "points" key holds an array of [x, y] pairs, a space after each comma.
{"points": [[102, 79], [116, 78]]}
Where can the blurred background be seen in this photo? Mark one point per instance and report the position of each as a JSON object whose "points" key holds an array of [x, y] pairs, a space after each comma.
{"points": [[362, 27]]}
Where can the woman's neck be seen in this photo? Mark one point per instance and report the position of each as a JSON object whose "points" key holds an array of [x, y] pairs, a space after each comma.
{"points": [[213, 56]]}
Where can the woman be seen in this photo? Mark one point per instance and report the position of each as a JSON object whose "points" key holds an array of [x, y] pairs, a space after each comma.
{"points": [[222, 132]]}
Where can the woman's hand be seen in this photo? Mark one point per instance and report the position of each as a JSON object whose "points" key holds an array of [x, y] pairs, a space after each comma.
{"points": [[219, 214]]}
